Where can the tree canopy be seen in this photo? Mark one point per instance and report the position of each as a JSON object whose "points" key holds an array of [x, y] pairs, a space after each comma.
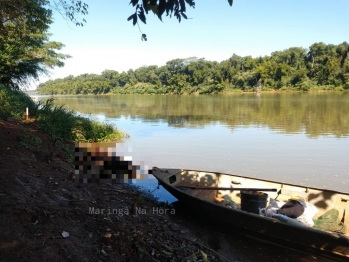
{"points": [[25, 49], [320, 66]]}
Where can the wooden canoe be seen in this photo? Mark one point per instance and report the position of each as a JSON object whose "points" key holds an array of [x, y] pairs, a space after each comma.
{"points": [[307, 239]]}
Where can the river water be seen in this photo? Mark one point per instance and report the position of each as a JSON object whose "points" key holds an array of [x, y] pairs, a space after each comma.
{"points": [[299, 138]]}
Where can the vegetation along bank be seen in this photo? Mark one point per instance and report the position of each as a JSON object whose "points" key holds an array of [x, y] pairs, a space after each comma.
{"points": [[321, 67], [47, 216]]}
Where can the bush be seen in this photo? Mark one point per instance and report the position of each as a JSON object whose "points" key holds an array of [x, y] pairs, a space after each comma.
{"points": [[57, 122], [326, 87], [13, 103], [339, 88], [31, 142], [63, 125], [86, 130], [306, 85]]}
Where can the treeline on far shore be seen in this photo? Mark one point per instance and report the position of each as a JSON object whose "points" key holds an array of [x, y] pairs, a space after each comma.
{"points": [[321, 67]]}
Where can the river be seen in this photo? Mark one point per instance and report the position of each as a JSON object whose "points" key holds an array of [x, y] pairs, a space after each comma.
{"points": [[300, 138]]}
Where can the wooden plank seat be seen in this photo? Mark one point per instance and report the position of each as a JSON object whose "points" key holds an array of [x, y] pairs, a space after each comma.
{"points": [[200, 193]]}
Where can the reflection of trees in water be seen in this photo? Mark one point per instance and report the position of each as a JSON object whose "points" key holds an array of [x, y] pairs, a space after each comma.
{"points": [[313, 113], [186, 121]]}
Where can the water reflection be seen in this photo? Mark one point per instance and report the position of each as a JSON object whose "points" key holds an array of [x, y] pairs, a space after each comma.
{"points": [[265, 137], [312, 113], [159, 192]]}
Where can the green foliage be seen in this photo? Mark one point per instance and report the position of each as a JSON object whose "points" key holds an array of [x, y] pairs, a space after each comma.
{"points": [[25, 51], [321, 67], [86, 130], [31, 14], [72, 10], [63, 125], [57, 122], [306, 85], [12, 10], [176, 9], [13, 103], [173, 8], [31, 142], [5, 106]]}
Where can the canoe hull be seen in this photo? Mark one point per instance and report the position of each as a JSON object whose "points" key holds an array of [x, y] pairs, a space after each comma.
{"points": [[306, 239]]}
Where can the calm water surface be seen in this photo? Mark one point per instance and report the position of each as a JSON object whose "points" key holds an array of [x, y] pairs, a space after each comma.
{"points": [[290, 137]]}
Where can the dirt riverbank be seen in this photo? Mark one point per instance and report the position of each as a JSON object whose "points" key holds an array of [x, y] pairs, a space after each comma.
{"points": [[46, 216]]}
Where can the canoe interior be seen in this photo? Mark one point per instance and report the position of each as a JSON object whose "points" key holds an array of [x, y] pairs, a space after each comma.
{"points": [[324, 200]]}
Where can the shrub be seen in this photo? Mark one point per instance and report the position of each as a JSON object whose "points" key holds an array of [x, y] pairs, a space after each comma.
{"points": [[339, 88], [13, 103], [31, 142], [86, 130], [57, 122]]}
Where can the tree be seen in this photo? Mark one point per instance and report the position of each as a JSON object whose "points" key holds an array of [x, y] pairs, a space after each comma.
{"points": [[25, 49], [10, 10], [176, 8], [19, 11]]}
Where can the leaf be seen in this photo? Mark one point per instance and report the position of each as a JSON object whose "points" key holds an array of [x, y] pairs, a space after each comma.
{"points": [[130, 17], [204, 256], [153, 8], [134, 19], [145, 5], [141, 15], [191, 3], [169, 6], [144, 37], [161, 8], [167, 253], [177, 15], [182, 4], [230, 2], [134, 2], [184, 15]]}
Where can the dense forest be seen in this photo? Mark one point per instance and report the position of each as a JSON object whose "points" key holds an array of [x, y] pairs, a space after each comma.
{"points": [[321, 67]]}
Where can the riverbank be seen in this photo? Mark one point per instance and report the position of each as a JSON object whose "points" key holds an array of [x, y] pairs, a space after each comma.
{"points": [[314, 89], [225, 92], [46, 216]]}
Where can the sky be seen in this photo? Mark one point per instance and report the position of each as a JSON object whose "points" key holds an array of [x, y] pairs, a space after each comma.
{"points": [[215, 31]]}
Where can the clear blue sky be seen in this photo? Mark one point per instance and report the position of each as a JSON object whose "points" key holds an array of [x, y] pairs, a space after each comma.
{"points": [[215, 32]]}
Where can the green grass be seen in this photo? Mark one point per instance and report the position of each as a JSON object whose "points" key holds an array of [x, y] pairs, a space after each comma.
{"points": [[31, 142], [61, 124], [86, 130], [13, 103]]}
